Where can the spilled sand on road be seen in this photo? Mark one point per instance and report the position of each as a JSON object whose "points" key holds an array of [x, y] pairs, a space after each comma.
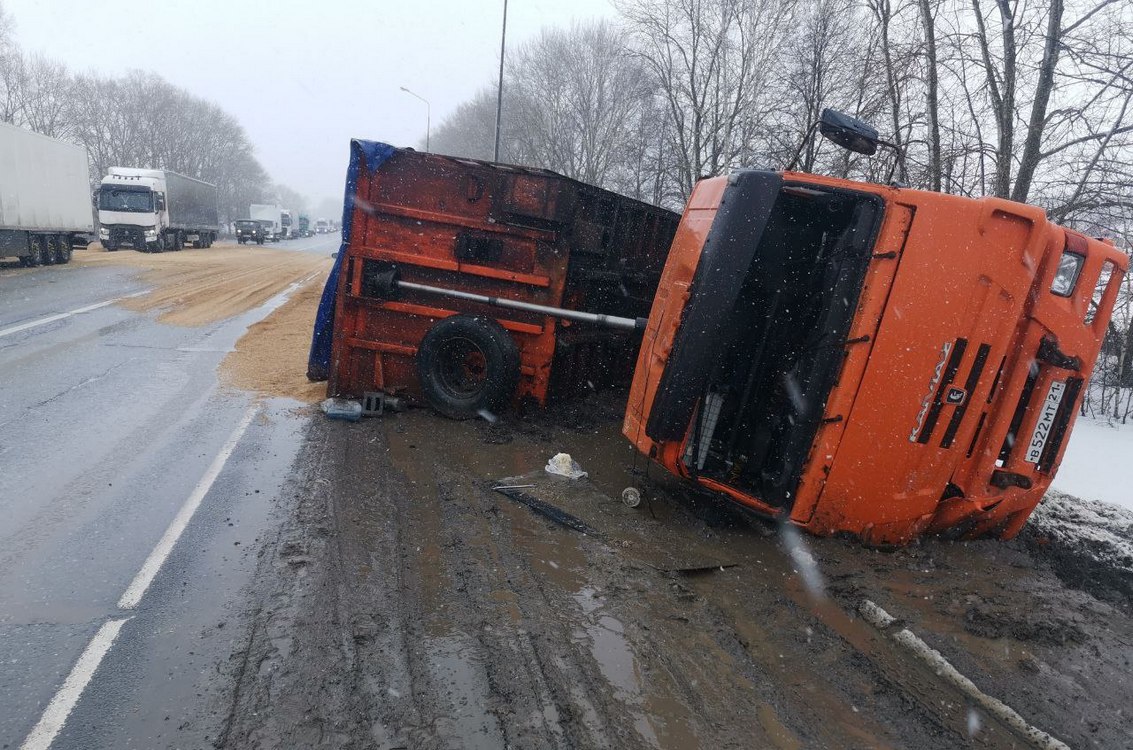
{"points": [[271, 356], [197, 287]]}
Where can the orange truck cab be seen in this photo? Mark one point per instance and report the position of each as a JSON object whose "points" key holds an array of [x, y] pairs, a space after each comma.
{"points": [[870, 360]]}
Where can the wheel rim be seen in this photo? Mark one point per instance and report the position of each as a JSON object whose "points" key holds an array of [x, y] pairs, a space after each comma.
{"points": [[462, 368]]}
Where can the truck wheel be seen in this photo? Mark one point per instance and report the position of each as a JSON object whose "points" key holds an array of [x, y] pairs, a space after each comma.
{"points": [[260, 241], [48, 253], [35, 257], [468, 365], [63, 249]]}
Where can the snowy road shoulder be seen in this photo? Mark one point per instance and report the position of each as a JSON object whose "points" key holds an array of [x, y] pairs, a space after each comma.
{"points": [[1089, 543], [1096, 464]]}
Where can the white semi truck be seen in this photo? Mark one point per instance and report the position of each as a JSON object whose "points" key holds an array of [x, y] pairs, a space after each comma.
{"points": [[290, 227], [44, 197], [155, 210], [271, 216]]}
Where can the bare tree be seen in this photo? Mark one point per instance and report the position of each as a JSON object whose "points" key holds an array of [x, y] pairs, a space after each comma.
{"points": [[715, 65]]}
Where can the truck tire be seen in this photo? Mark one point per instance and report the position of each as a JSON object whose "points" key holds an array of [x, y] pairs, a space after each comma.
{"points": [[198, 243], [35, 256], [178, 241], [47, 254], [468, 365], [63, 249]]}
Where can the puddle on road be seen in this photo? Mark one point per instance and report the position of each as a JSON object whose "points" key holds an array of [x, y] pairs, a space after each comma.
{"points": [[659, 719], [456, 668]]}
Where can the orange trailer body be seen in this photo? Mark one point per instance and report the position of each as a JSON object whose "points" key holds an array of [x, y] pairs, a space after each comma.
{"points": [[502, 231], [893, 362]]}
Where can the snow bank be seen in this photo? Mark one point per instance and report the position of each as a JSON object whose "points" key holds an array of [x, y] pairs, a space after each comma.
{"points": [[1097, 463], [1089, 543]]}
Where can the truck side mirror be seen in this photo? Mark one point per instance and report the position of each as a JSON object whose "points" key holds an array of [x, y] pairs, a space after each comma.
{"points": [[848, 132]]}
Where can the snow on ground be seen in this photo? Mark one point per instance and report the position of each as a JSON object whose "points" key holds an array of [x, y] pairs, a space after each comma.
{"points": [[1098, 464], [1089, 544]]}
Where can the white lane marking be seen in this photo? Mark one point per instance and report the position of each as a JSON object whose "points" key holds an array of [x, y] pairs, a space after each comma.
{"points": [[62, 316], [157, 557], [60, 707]]}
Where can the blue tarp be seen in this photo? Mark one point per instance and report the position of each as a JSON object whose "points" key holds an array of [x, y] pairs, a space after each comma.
{"points": [[373, 154]]}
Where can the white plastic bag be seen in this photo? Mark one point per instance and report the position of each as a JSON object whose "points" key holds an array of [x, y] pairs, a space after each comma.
{"points": [[564, 466]]}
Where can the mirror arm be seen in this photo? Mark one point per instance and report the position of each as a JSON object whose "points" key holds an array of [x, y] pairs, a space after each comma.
{"points": [[898, 162], [806, 137]]}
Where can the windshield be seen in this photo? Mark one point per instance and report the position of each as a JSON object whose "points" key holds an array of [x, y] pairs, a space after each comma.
{"points": [[132, 200], [247, 225]]}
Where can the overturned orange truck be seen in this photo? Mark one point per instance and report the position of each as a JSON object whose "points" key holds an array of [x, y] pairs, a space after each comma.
{"points": [[866, 359], [850, 357]]}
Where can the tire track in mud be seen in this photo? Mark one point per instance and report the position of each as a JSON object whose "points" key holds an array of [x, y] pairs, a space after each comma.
{"points": [[405, 605]]}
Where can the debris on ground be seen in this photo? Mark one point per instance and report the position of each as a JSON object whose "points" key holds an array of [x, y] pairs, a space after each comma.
{"points": [[561, 464], [342, 408]]}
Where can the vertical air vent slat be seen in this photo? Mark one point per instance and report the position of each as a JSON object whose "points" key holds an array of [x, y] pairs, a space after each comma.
{"points": [[953, 367], [969, 389]]}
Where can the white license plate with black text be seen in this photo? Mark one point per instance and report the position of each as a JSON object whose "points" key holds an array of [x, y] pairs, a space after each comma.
{"points": [[1049, 410]]}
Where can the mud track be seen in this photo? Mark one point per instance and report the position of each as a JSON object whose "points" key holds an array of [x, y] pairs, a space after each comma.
{"points": [[406, 604]]}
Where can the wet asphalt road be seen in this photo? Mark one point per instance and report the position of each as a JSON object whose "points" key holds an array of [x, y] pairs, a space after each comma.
{"points": [[109, 422]]}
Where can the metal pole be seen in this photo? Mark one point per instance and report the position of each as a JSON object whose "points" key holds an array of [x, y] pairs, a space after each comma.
{"points": [[500, 87], [428, 115], [606, 321]]}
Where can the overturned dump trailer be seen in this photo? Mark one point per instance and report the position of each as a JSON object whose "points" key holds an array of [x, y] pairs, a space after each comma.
{"points": [[867, 359], [434, 245]]}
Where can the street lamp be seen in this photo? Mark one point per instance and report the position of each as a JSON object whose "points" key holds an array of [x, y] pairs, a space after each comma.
{"points": [[427, 115], [500, 87]]}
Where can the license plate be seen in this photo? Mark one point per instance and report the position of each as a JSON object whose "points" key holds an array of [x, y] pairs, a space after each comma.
{"points": [[1046, 421]]}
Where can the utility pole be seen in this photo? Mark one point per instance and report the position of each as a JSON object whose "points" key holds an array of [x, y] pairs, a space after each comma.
{"points": [[500, 88]]}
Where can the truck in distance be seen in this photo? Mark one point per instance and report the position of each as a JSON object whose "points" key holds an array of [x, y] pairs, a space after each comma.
{"points": [[248, 230], [322, 226], [271, 216], [46, 206], [289, 228], [154, 210]]}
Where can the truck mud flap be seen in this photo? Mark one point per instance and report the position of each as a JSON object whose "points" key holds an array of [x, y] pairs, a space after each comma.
{"points": [[728, 253]]}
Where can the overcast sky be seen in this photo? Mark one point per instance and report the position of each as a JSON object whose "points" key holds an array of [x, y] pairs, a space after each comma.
{"points": [[302, 77]]}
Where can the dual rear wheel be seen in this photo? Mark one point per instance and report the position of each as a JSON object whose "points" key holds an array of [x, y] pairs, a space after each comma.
{"points": [[48, 250]]}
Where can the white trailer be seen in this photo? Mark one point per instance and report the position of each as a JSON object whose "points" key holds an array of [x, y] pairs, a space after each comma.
{"points": [[271, 216], [155, 210], [44, 197]]}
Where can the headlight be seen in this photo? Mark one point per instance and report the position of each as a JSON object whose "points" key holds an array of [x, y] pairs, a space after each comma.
{"points": [[103, 232], [151, 233], [1069, 266]]}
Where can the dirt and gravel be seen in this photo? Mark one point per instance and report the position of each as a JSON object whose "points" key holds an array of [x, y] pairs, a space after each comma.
{"points": [[196, 287], [405, 604], [271, 356]]}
